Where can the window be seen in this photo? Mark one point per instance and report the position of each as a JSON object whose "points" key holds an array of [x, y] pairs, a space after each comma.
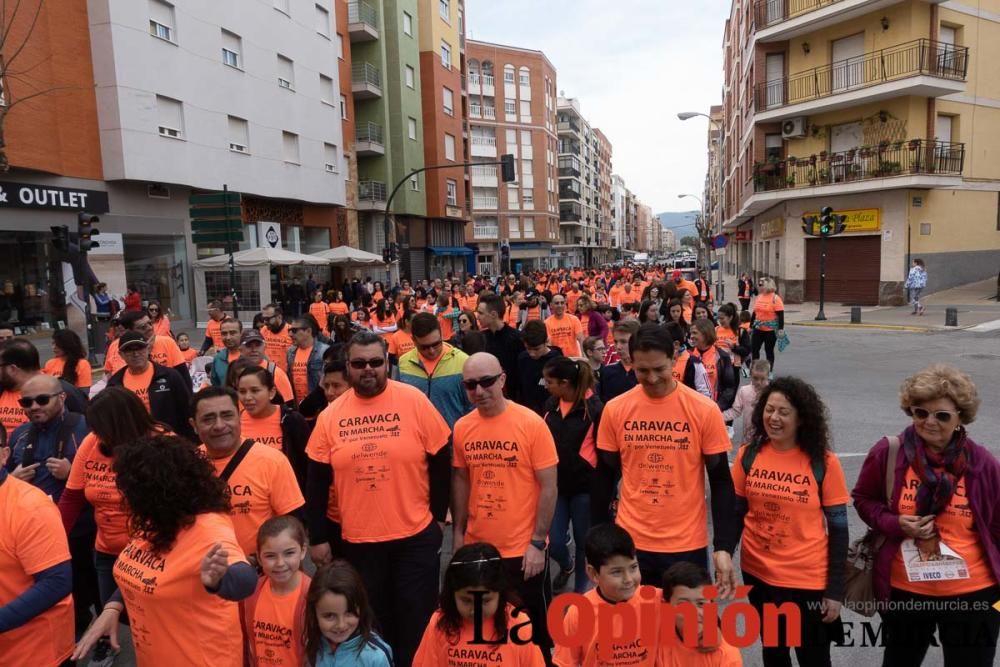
{"points": [[407, 24], [239, 135], [323, 21], [528, 223], [286, 73], [773, 146], [290, 147], [445, 55], [529, 200], [525, 109], [508, 73], [525, 137], [515, 227], [449, 147], [510, 107], [414, 184], [340, 46], [330, 158], [412, 127], [282, 6], [525, 167], [512, 201], [326, 93], [343, 107], [170, 116], [232, 49], [444, 8], [449, 101], [161, 20], [452, 192], [409, 74], [524, 76]]}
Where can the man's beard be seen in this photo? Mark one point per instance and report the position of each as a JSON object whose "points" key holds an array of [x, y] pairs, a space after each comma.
{"points": [[276, 328]]}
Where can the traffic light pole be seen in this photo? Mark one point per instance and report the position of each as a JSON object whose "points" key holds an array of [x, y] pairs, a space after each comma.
{"points": [[821, 316], [232, 261]]}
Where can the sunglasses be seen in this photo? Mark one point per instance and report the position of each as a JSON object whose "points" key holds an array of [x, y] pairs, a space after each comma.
{"points": [[361, 364], [430, 346], [292, 330], [41, 399], [485, 383], [943, 416]]}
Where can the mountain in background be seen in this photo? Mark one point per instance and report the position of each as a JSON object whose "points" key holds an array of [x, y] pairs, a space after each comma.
{"points": [[678, 220]]}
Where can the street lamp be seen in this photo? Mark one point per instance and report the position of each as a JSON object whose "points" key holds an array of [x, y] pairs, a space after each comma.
{"points": [[720, 288]]}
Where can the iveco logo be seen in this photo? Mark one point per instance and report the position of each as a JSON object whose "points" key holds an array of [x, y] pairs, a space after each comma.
{"points": [[655, 458], [369, 447]]}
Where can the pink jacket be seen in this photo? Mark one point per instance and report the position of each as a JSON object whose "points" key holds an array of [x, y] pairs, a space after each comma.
{"points": [[746, 399]]}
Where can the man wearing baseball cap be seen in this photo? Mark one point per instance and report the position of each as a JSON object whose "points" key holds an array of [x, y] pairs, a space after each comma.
{"points": [[162, 390], [253, 348]]}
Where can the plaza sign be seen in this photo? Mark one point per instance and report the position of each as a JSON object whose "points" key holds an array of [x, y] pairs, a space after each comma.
{"points": [[859, 220], [51, 198]]}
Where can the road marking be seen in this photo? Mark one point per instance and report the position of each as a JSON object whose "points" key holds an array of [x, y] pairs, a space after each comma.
{"points": [[986, 326]]}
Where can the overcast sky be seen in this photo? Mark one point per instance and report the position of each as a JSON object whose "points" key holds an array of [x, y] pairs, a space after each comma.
{"points": [[633, 64]]}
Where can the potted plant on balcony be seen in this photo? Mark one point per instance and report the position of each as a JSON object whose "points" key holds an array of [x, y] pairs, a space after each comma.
{"points": [[811, 177], [790, 180], [914, 144], [824, 156], [824, 175]]}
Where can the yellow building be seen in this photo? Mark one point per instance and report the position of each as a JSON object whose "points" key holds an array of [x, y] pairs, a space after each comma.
{"points": [[886, 110]]}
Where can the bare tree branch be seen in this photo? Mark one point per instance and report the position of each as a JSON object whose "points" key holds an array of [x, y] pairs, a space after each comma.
{"points": [[56, 89], [9, 26], [27, 37]]}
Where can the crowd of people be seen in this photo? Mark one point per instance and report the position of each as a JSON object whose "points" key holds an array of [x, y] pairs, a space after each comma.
{"points": [[570, 430]]}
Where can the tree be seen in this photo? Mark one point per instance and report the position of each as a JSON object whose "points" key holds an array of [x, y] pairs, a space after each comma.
{"points": [[689, 241]]}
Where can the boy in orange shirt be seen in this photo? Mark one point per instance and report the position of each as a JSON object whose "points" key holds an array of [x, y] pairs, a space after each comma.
{"points": [[613, 566], [684, 584]]}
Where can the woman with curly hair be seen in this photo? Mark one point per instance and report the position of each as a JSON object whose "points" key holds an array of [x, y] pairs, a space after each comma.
{"points": [[182, 572], [792, 497], [942, 515]]}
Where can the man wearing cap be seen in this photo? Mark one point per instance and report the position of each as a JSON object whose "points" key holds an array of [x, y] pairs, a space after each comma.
{"points": [[162, 390], [252, 348], [230, 330], [163, 350]]}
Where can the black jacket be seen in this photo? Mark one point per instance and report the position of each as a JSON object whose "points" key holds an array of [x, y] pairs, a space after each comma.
{"points": [[727, 380], [615, 381], [575, 474], [506, 345], [169, 398], [294, 436], [532, 392]]}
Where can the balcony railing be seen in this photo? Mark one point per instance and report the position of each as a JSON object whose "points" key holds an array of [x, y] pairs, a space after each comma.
{"points": [[568, 126], [371, 191], [483, 171], [366, 73], [362, 12], [369, 132], [484, 141], [485, 232], [570, 213], [899, 158], [485, 203], [921, 56], [772, 12]]}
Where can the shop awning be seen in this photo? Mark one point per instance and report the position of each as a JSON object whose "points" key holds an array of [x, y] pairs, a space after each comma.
{"points": [[449, 250]]}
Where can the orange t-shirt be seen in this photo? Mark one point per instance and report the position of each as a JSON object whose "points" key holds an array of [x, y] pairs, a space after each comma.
{"points": [[84, 375], [281, 382], [113, 361], [11, 414], [628, 652], [400, 342], [511, 315], [725, 338], [165, 352], [213, 330], [378, 449], [319, 311], [680, 365], [710, 360], [957, 529], [161, 327], [92, 473], [337, 308], [430, 364], [571, 299], [163, 592], [784, 540], [32, 539], [266, 431], [766, 308], [632, 296], [447, 324], [502, 455], [662, 442], [189, 355], [276, 347], [563, 332], [436, 650], [262, 486], [300, 373], [138, 383], [274, 624], [681, 656]]}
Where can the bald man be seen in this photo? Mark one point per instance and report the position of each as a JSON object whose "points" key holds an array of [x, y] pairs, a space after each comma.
{"points": [[504, 485]]}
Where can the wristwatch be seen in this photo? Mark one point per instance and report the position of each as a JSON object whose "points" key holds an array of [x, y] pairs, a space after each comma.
{"points": [[538, 544]]}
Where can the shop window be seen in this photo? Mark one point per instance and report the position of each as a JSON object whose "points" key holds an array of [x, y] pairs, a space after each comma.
{"points": [[247, 287]]}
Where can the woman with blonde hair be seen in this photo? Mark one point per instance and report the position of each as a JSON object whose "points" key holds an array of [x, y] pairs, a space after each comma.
{"points": [[945, 498]]}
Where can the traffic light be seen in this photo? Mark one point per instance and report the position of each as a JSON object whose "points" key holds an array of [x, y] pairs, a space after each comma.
{"points": [[839, 224], [809, 225], [60, 237], [826, 221], [507, 173], [85, 229], [386, 255], [393, 251]]}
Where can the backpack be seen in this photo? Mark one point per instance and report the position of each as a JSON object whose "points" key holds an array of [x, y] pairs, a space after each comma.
{"points": [[818, 469]]}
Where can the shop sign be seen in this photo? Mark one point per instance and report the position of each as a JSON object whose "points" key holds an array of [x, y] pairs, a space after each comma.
{"points": [[859, 220], [270, 234], [772, 228], [51, 198], [744, 235]]}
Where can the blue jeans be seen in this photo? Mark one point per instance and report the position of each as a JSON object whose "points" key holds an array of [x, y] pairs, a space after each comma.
{"points": [[576, 509], [653, 564], [106, 584]]}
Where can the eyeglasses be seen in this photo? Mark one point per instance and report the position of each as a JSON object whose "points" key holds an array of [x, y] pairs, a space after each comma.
{"points": [[292, 330], [361, 364], [430, 346], [942, 416], [41, 399], [485, 383]]}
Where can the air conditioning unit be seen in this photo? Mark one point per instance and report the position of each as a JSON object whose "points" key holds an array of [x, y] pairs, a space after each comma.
{"points": [[794, 128]]}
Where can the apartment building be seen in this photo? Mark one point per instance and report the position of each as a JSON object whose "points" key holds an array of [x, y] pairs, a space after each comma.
{"points": [[618, 236], [713, 174], [512, 109], [348, 233], [602, 196], [885, 111]]}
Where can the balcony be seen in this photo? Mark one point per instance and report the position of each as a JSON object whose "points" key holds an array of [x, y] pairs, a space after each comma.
{"points": [[778, 20], [362, 22], [366, 81], [569, 194], [371, 195], [489, 87], [483, 146], [901, 165], [369, 141], [919, 68], [568, 126], [570, 213], [485, 232], [484, 176], [485, 203], [569, 149]]}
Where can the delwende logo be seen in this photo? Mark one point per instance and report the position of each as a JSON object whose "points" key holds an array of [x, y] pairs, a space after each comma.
{"points": [[656, 621]]}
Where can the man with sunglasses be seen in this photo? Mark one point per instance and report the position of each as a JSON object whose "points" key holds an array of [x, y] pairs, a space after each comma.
{"points": [[504, 485], [277, 340], [213, 330], [435, 368], [305, 357], [19, 363], [384, 447]]}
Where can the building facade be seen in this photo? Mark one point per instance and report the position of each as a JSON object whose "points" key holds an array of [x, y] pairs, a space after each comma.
{"points": [[512, 109], [885, 111], [580, 169]]}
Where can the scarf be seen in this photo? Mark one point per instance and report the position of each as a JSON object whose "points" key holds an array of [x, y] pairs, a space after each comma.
{"points": [[938, 472]]}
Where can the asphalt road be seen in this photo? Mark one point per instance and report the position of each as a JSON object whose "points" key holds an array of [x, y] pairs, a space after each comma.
{"points": [[858, 374]]}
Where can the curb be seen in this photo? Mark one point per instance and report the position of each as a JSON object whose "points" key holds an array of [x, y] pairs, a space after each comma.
{"points": [[884, 327]]}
